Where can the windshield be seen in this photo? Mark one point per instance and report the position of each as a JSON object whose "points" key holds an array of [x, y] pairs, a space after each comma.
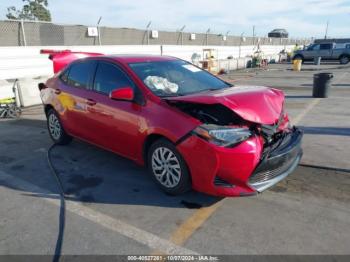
{"points": [[176, 78]]}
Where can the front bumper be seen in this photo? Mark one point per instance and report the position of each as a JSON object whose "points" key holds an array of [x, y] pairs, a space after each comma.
{"points": [[278, 163], [246, 169]]}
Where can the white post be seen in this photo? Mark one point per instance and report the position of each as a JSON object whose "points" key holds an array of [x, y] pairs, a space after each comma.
{"points": [[23, 33]]}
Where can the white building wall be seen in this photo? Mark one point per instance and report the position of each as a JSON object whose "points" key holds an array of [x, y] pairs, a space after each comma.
{"points": [[27, 64]]}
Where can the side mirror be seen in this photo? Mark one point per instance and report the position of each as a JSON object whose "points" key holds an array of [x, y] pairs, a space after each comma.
{"points": [[123, 93]]}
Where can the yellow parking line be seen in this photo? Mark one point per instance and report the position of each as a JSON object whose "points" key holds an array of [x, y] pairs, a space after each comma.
{"points": [[307, 110], [183, 232], [187, 228]]}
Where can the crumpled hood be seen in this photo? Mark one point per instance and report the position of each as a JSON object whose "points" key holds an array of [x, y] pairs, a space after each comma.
{"points": [[256, 104]]}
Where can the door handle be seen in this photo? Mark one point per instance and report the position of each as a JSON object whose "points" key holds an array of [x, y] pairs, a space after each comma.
{"points": [[57, 91], [90, 102]]}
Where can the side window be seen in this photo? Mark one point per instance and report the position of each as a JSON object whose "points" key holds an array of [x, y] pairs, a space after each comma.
{"points": [[316, 47], [80, 73], [326, 46], [64, 75], [108, 77], [347, 46]]}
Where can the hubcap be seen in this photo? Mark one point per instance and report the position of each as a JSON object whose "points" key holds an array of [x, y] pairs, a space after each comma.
{"points": [[166, 167], [54, 127], [344, 60]]}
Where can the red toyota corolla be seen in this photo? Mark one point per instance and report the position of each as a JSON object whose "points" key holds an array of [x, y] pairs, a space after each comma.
{"points": [[190, 128]]}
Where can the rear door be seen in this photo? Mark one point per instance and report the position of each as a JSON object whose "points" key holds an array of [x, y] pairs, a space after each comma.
{"points": [[116, 123], [72, 93]]}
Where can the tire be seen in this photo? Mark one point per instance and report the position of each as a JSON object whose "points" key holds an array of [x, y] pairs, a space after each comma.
{"points": [[343, 60], [55, 128], [168, 168], [14, 112]]}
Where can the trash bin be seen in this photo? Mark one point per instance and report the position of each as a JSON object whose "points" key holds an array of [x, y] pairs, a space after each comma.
{"points": [[297, 64], [322, 83], [317, 60]]}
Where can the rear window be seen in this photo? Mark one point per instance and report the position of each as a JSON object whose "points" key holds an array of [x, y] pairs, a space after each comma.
{"points": [[80, 73]]}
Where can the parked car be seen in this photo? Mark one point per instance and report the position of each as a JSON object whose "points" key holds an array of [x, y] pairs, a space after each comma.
{"points": [[279, 33], [327, 51], [190, 128]]}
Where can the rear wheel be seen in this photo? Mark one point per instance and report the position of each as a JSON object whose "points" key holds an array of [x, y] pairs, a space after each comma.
{"points": [[168, 168], [56, 131], [344, 60]]}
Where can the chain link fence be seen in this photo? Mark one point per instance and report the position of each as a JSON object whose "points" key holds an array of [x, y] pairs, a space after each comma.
{"points": [[33, 33]]}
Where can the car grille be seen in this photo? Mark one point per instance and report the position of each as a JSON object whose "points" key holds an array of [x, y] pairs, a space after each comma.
{"points": [[270, 174], [278, 158]]}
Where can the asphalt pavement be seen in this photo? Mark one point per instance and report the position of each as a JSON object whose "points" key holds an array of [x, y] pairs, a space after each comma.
{"points": [[113, 207]]}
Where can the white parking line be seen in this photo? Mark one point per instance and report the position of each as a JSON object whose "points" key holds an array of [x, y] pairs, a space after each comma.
{"points": [[118, 226]]}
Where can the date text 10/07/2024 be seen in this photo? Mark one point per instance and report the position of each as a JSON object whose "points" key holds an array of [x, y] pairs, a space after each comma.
{"points": [[173, 258]]}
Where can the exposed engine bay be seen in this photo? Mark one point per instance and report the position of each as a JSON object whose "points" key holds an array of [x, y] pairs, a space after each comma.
{"points": [[221, 115], [211, 114]]}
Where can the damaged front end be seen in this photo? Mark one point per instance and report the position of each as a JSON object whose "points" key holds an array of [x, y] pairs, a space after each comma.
{"points": [[236, 156], [279, 158]]}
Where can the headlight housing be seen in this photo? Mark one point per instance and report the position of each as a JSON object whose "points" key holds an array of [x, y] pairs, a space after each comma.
{"points": [[223, 135]]}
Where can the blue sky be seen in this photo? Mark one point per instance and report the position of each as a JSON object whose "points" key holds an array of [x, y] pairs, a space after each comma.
{"points": [[302, 18]]}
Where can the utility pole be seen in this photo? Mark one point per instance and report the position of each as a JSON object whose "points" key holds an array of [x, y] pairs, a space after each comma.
{"points": [[98, 30], [147, 31], [182, 34], [227, 36], [240, 45], [207, 35], [253, 35], [325, 36]]}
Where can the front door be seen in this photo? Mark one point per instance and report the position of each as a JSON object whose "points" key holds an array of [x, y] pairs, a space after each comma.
{"points": [[116, 123]]}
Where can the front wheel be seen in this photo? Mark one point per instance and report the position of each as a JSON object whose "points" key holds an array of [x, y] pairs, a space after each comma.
{"points": [[168, 168], [14, 111], [56, 131]]}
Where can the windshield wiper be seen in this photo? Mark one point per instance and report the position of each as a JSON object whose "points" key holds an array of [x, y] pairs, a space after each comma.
{"points": [[174, 95], [210, 89]]}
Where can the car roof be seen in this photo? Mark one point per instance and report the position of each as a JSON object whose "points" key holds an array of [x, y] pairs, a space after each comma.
{"points": [[279, 30], [136, 58]]}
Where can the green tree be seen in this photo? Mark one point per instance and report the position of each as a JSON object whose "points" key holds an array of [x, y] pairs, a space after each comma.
{"points": [[31, 10]]}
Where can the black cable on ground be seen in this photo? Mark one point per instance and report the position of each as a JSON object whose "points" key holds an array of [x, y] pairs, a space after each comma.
{"points": [[62, 216], [326, 168]]}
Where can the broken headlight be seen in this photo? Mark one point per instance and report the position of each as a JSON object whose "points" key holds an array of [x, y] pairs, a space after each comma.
{"points": [[223, 136]]}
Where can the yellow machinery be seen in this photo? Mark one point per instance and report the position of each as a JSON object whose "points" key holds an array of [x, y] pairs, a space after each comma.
{"points": [[209, 62]]}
